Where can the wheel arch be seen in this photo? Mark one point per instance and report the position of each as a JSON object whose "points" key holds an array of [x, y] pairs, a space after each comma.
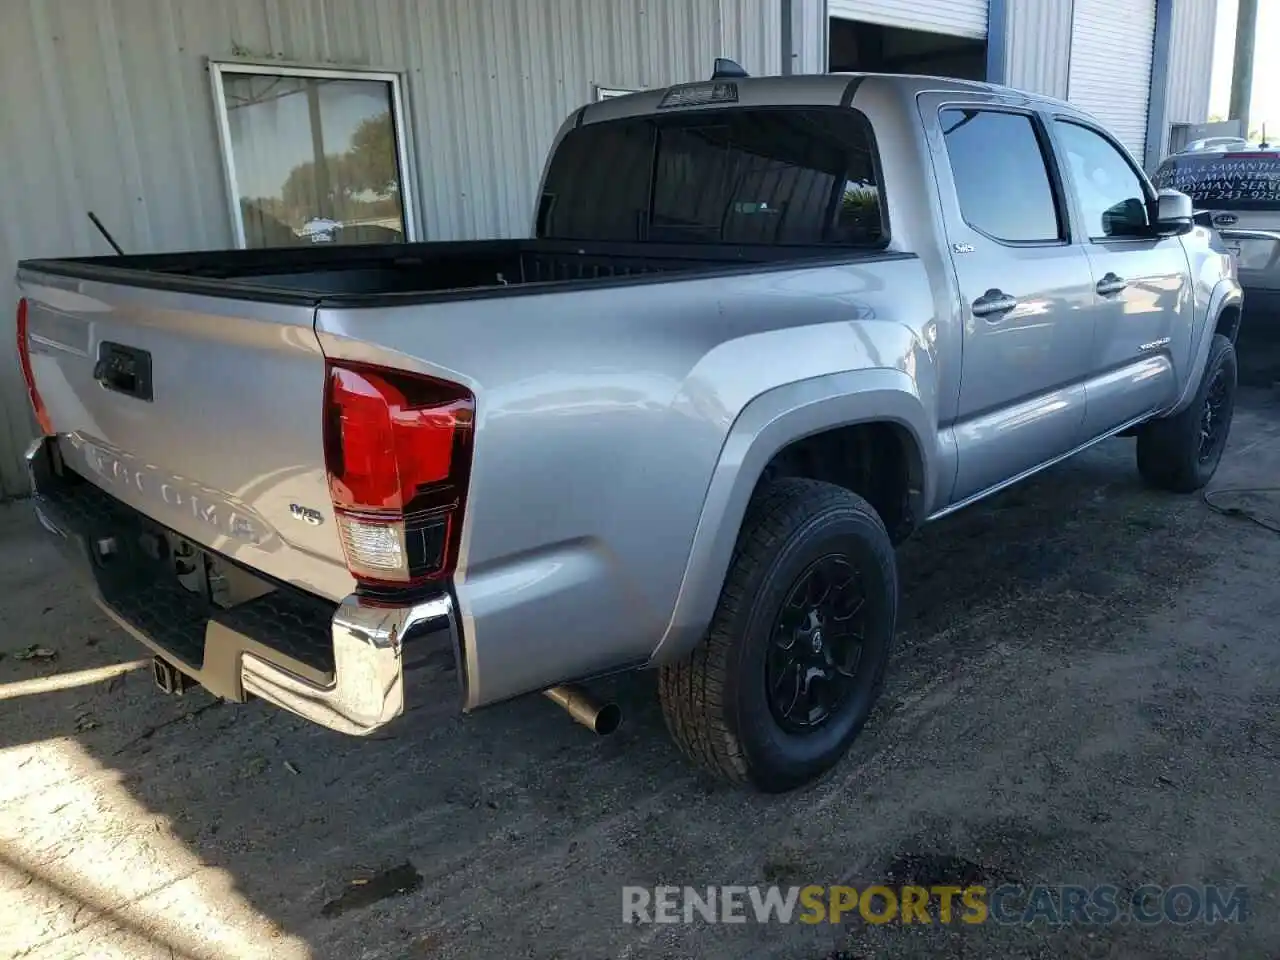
{"points": [[1226, 302], [772, 422], [1228, 323]]}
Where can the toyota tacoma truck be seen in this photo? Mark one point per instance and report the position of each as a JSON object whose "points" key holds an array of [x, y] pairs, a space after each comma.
{"points": [[762, 330]]}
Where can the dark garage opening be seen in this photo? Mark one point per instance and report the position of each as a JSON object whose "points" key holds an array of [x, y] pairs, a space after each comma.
{"points": [[879, 49]]}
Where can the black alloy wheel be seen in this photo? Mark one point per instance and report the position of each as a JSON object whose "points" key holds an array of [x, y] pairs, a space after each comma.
{"points": [[1181, 453], [1215, 420], [812, 665]]}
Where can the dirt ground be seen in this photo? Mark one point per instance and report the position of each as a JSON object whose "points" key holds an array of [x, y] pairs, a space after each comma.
{"points": [[1085, 691]]}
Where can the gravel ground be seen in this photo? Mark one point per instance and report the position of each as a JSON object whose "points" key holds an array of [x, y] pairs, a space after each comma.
{"points": [[1085, 691]]}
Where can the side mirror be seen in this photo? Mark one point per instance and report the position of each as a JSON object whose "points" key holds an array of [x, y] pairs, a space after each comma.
{"points": [[1175, 214], [1128, 218]]}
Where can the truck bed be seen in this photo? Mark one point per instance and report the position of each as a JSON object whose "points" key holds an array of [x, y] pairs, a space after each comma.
{"points": [[361, 275]]}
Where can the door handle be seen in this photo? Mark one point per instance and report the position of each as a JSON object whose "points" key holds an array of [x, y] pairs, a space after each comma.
{"points": [[1110, 284], [993, 303]]}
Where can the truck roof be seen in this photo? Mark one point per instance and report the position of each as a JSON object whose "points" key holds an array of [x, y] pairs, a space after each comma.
{"points": [[798, 89]]}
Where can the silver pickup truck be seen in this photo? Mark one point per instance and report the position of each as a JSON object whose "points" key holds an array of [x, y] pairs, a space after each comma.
{"points": [[763, 330]]}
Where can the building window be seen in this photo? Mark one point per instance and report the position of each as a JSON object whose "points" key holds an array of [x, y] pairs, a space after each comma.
{"points": [[313, 156]]}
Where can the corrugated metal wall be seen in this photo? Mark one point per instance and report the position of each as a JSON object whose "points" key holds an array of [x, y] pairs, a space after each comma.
{"points": [[107, 107], [1039, 52], [1039, 45], [810, 35], [1115, 89], [1190, 63]]}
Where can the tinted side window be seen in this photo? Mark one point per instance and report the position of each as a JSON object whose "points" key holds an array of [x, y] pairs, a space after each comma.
{"points": [[729, 176], [1110, 192], [1000, 174]]}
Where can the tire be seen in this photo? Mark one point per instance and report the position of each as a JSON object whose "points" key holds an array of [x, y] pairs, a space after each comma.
{"points": [[1174, 453], [716, 701]]}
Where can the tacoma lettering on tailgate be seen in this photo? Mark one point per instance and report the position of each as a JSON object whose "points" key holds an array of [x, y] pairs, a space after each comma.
{"points": [[202, 504]]}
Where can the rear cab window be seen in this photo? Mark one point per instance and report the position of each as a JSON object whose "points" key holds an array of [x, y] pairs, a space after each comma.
{"points": [[777, 176], [1233, 181]]}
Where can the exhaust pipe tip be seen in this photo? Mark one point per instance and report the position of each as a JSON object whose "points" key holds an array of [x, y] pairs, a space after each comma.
{"points": [[601, 719], [608, 719]]}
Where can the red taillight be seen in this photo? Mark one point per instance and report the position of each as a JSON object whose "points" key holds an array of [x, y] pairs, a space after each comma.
{"points": [[24, 360], [398, 453]]}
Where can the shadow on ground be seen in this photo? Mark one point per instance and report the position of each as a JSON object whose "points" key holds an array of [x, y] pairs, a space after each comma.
{"points": [[1085, 691]]}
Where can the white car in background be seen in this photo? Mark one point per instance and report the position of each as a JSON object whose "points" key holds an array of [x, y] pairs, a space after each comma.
{"points": [[320, 229], [1216, 143]]}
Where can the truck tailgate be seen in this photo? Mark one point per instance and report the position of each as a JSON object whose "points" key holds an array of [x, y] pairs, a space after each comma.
{"points": [[204, 413]]}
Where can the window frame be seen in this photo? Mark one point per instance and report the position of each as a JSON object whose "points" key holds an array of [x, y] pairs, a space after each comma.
{"points": [[1148, 190], [859, 118], [1048, 156], [219, 69]]}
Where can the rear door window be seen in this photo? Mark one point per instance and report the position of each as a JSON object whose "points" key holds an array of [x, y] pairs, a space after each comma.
{"points": [[1002, 181], [1233, 181], [780, 176]]}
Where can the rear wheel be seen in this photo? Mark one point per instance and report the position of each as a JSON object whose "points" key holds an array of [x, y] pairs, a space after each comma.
{"points": [[1181, 453], [797, 650]]}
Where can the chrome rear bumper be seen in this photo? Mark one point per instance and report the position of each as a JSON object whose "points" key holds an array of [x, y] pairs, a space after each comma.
{"points": [[368, 652], [342, 666]]}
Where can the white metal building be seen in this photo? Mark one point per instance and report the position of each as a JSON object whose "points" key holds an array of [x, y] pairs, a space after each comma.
{"points": [[210, 123]]}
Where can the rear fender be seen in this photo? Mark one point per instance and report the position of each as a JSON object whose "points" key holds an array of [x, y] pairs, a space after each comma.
{"points": [[767, 425]]}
